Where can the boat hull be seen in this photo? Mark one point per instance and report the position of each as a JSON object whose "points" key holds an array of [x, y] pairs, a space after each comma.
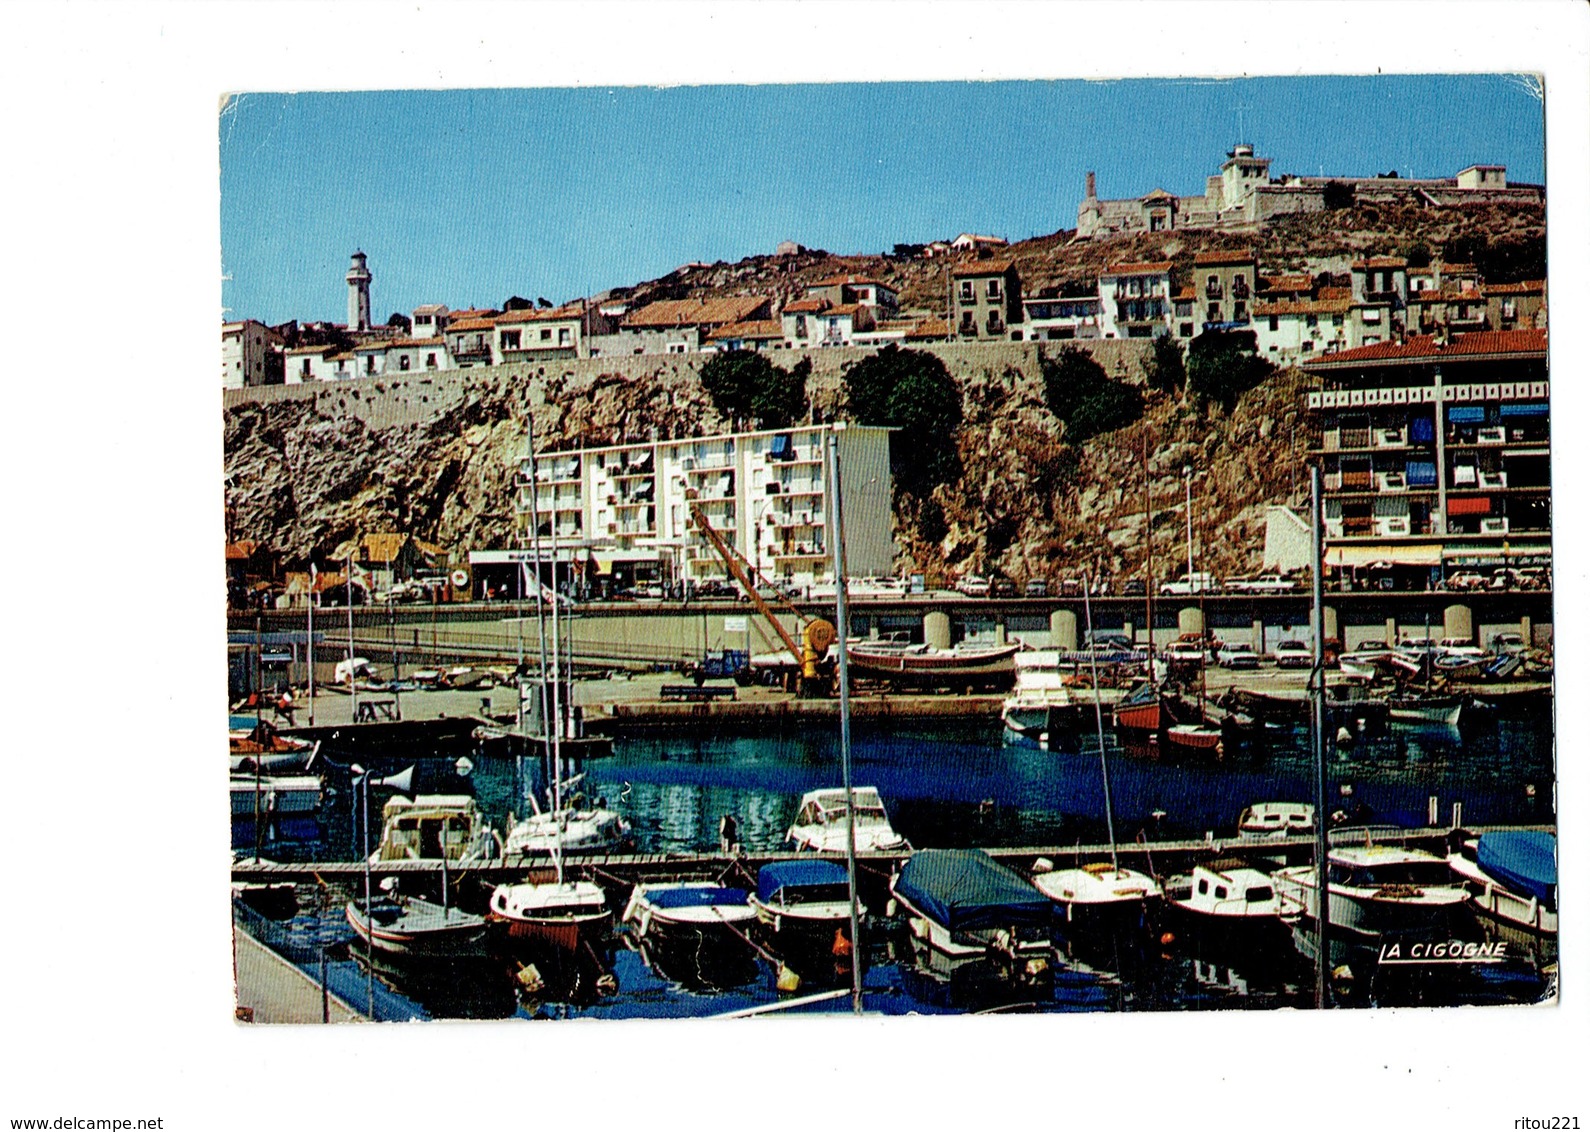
{"points": [[990, 668], [1365, 913], [455, 935]]}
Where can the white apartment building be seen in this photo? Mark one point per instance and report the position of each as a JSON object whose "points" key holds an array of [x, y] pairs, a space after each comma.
{"points": [[1135, 300], [766, 493]]}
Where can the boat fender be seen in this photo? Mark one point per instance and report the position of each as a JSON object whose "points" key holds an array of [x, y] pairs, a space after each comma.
{"points": [[1344, 737], [788, 981], [1167, 938], [891, 909], [1042, 865]]}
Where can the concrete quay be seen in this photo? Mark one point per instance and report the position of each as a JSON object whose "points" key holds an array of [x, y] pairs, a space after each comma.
{"points": [[270, 989]]}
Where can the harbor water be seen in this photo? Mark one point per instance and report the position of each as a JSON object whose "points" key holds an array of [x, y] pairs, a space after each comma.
{"points": [[945, 785]]}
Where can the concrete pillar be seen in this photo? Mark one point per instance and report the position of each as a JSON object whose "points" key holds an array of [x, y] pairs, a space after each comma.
{"points": [[936, 629], [1000, 633], [1391, 631], [1526, 629], [1129, 631], [1190, 619], [1332, 624], [1258, 635], [1063, 630], [1457, 621]]}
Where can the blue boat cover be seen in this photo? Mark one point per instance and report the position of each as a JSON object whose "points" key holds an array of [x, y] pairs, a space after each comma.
{"points": [[797, 874], [967, 890], [696, 896], [1523, 860]]}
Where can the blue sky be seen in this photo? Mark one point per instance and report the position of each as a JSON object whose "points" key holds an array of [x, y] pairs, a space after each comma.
{"points": [[466, 197]]}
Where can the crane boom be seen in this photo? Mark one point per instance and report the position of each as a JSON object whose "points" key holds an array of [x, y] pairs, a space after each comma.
{"points": [[738, 572]]}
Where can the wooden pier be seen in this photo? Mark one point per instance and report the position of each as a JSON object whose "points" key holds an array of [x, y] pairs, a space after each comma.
{"points": [[630, 868]]}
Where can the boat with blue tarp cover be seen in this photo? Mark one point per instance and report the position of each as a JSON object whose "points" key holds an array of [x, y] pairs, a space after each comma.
{"points": [[687, 907], [1511, 877], [803, 894], [962, 902]]}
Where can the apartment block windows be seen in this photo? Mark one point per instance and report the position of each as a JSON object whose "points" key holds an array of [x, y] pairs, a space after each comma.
{"points": [[403, 361], [1214, 313], [993, 290], [510, 340], [430, 361], [967, 294], [546, 334], [1275, 322]]}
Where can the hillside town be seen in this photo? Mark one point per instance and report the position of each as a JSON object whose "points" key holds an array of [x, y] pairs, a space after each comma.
{"points": [[1427, 399]]}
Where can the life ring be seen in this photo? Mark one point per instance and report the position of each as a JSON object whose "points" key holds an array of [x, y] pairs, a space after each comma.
{"points": [[460, 577]]}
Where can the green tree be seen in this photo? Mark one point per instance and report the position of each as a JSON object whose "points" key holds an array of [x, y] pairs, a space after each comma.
{"points": [[1222, 365], [745, 386], [1168, 371], [911, 392], [1338, 194], [1088, 400]]}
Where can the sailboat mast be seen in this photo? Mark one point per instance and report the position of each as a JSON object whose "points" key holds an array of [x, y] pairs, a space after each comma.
{"points": [[1321, 842], [535, 542], [1148, 562], [1098, 717], [841, 630]]}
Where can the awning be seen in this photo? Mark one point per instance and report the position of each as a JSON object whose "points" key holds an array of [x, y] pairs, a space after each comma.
{"points": [[1530, 554], [1469, 505], [1357, 557], [1525, 410], [1466, 414], [604, 563]]}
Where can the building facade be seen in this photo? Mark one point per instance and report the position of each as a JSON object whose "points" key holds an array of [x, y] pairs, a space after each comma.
{"points": [[1436, 454], [629, 507], [1135, 300], [985, 300]]}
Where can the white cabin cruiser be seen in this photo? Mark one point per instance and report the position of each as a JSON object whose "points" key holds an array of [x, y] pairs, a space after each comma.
{"points": [[1276, 821], [821, 824], [1229, 898], [433, 827], [1100, 894], [1376, 889]]}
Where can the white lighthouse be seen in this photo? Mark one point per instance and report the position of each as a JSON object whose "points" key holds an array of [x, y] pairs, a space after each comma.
{"points": [[358, 294]]}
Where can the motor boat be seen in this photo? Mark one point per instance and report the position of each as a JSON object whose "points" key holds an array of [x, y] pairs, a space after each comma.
{"points": [[418, 929], [821, 823], [696, 909], [963, 903], [1379, 889], [1230, 900], [1202, 739], [1276, 821], [1441, 711], [1511, 877], [432, 827], [561, 913], [1042, 704], [803, 895], [276, 795], [1102, 896]]}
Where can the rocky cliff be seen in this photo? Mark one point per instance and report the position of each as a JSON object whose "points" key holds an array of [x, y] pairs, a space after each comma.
{"points": [[309, 468]]}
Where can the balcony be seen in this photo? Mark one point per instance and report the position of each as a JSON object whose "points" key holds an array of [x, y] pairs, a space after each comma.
{"points": [[1214, 291]]}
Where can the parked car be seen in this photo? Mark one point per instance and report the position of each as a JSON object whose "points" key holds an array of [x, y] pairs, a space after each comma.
{"points": [[1135, 587], [1111, 642], [1235, 654], [1292, 654], [1466, 580], [1184, 652], [1001, 587], [972, 586], [1263, 584], [1036, 587], [1199, 583]]}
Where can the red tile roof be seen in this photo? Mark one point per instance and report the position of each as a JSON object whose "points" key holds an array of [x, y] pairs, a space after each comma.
{"points": [[473, 312], [807, 306], [382, 547], [1154, 268], [1484, 343], [756, 328], [1327, 293], [1381, 261], [1223, 257], [929, 328], [242, 550], [418, 343], [472, 324], [311, 349], [981, 267], [1302, 306], [1185, 295], [1526, 287], [555, 314], [695, 312], [1302, 282]]}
